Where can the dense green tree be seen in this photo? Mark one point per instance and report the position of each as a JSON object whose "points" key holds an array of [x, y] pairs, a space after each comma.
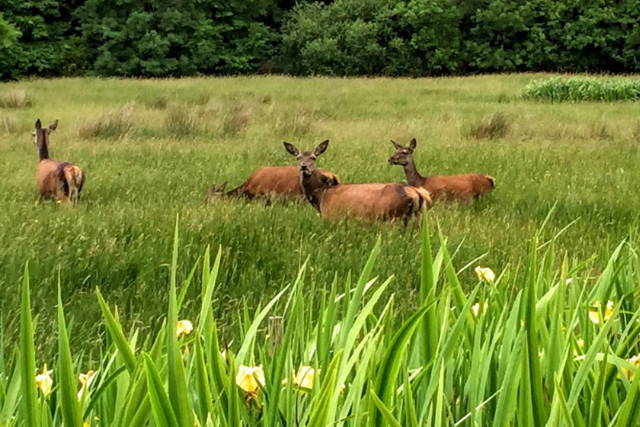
{"points": [[329, 37], [175, 37], [46, 44]]}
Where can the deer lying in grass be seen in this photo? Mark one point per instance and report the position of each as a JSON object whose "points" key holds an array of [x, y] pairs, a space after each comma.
{"points": [[442, 187], [367, 201], [278, 182], [55, 179]]}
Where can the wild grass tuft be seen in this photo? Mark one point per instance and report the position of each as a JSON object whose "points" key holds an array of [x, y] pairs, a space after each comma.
{"points": [[599, 131], [235, 119], [158, 103], [111, 126], [296, 123], [14, 99], [8, 124], [180, 122], [493, 126], [576, 89]]}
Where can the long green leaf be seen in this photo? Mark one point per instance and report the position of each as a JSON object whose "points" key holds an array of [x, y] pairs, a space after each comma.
{"points": [[391, 362], [29, 401], [115, 330], [71, 415], [160, 405], [178, 392], [386, 413]]}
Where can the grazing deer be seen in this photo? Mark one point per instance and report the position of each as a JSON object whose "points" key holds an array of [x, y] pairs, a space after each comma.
{"points": [[442, 187], [55, 179], [281, 182], [367, 201]]}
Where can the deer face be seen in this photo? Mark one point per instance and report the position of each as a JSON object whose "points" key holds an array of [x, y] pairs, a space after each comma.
{"points": [[213, 192], [403, 154], [41, 135], [307, 159]]}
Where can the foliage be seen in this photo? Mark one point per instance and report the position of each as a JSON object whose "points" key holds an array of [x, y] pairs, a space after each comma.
{"points": [[558, 89], [551, 352], [139, 176], [426, 37], [48, 43], [162, 38], [355, 37], [342, 37]]}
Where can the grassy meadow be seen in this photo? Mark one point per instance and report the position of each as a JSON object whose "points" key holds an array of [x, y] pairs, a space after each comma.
{"points": [[150, 149]]}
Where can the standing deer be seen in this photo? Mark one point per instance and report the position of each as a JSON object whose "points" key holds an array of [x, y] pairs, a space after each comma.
{"points": [[442, 187], [367, 201], [55, 179], [281, 182]]}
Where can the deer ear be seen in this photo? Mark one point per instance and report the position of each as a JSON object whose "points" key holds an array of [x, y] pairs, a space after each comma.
{"points": [[222, 187], [412, 144], [291, 149], [321, 148], [53, 126], [395, 144], [38, 124]]}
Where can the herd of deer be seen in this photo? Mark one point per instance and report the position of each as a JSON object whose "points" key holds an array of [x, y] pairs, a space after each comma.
{"points": [[334, 200]]}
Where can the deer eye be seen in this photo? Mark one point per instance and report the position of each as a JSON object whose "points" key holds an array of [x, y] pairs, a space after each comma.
{"points": [[313, 157]]}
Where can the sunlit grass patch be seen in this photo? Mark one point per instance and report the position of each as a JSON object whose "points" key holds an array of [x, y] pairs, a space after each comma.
{"points": [[580, 88], [110, 126], [14, 99]]}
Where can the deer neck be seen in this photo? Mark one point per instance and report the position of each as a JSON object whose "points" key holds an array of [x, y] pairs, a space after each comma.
{"points": [[43, 152], [313, 188], [413, 176]]}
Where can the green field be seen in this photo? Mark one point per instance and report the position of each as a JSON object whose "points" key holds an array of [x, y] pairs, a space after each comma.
{"points": [[150, 149]]}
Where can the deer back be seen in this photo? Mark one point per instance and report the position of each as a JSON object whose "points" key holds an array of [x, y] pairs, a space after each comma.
{"points": [[370, 201], [278, 180], [50, 178], [458, 187]]}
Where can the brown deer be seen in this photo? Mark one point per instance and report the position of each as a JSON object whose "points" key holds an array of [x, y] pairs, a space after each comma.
{"points": [[278, 182], [366, 201], [55, 179], [446, 188]]}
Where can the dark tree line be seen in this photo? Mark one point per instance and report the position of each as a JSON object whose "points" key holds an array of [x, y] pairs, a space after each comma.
{"points": [[344, 37]]}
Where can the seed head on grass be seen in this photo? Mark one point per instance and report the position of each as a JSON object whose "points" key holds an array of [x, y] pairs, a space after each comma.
{"points": [[15, 99], [235, 120], [181, 123], [493, 126], [112, 126]]}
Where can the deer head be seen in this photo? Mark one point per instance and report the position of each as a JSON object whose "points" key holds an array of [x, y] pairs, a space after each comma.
{"points": [[214, 192], [403, 154], [41, 138], [42, 135], [307, 159]]}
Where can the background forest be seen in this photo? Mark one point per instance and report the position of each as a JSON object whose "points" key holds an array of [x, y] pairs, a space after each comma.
{"points": [[174, 38]]}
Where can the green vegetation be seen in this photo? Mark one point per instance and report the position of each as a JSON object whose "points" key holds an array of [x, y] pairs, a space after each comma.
{"points": [[327, 37], [576, 89], [540, 347], [583, 158]]}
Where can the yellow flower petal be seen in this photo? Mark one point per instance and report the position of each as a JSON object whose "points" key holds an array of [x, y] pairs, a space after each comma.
{"points": [[248, 378], [304, 378], [44, 381], [485, 274], [594, 312], [184, 327], [475, 308]]}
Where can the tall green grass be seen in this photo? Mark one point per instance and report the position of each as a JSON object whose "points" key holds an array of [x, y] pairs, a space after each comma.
{"points": [[142, 170], [575, 89], [538, 354]]}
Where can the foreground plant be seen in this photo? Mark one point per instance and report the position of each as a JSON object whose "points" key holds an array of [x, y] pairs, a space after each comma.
{"points": [[523, 350], [580, 88]]}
